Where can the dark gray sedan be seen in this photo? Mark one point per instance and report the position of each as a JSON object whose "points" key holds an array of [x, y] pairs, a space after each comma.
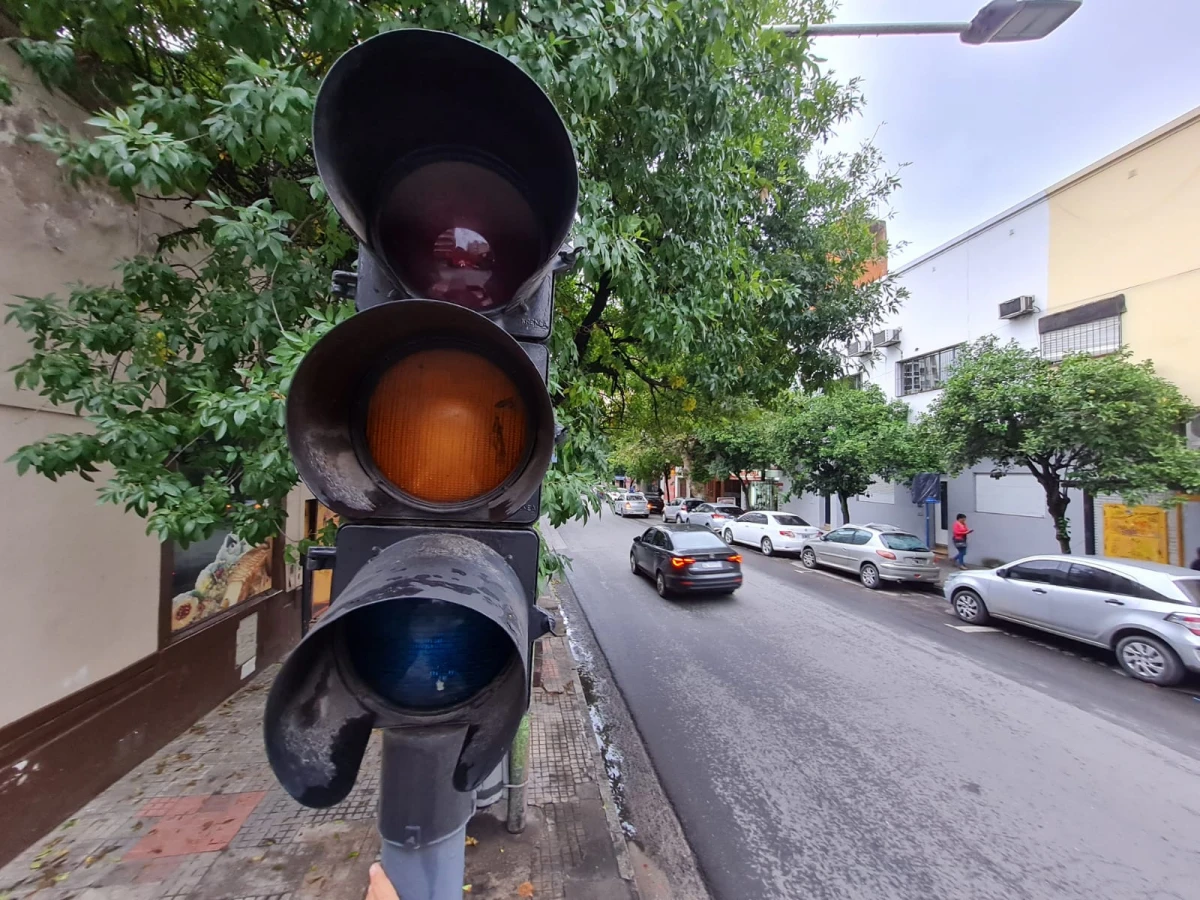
{"points": [[685, 559]]}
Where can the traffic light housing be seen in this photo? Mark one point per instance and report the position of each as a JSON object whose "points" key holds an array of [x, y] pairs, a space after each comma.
{"points": [[425, 423]]}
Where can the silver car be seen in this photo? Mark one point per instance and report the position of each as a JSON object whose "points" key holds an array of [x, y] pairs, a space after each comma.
{"points": [[1146, 613], [631, 504], [874, 553], [714, 516]]}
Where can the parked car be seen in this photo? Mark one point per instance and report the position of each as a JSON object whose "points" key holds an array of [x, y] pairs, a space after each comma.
{"points": [[631, 504], [1148, 614], [685, 558], [714, 515], [613, 496], [654, 502], [770, 532], [679, 509], [876, 555]]}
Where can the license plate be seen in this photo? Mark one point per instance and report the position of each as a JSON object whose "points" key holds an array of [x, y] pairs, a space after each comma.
{"points": [[707, 565], [919, 560]]}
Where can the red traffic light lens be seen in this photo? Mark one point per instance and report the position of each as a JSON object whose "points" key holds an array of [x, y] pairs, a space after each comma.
{"points": [[447, 426], [459, 232]]}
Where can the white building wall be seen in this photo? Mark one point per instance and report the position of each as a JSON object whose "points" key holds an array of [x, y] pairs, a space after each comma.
{"points": [[954, 294]]}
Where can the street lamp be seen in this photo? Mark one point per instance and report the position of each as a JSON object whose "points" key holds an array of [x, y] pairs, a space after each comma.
{"points": [[1001, 21]]}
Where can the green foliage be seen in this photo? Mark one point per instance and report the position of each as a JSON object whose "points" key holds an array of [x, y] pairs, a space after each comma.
{"points": [[714, 264], [1101, 424], [839, 441], [733, 446]]}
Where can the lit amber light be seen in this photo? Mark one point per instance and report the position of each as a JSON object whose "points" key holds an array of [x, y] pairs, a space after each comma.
{"points": [[446, 426]]}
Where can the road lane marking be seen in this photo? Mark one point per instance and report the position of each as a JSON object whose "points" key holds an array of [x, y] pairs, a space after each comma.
{"points": [[974, 629]]}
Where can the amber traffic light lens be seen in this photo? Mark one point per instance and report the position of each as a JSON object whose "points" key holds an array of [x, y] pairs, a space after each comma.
{"points": [[447, 426]]}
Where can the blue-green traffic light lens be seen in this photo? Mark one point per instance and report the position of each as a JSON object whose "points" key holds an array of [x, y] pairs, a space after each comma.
{"points": [[426, 654]]}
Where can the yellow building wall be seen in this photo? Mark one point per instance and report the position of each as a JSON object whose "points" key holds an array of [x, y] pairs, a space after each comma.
{"points": [[1128, 225]]}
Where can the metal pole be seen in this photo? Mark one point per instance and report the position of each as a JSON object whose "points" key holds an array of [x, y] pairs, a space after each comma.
{"points": [[422, 818], [518, 768], [879, 28]]}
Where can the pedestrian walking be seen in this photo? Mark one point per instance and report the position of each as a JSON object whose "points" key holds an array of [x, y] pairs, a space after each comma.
{"points": [[960, 540], [1196, 561]]}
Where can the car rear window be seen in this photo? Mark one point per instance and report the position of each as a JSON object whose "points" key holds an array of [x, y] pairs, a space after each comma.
{"points": [[730, 510], [692, 504], [900, 541], [697, 540], [1190, 588], [635, 497], [791, 520]]}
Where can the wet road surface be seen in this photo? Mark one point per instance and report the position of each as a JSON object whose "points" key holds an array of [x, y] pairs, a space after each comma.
{"points": [[819, 740]]}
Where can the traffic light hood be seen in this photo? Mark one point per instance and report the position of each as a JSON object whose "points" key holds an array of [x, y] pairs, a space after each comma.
{"points": [[431, 631], [421, 409], [449, 164]]}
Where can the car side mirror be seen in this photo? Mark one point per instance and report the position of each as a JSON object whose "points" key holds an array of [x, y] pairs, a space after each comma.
{"points": [[1002, 573]]}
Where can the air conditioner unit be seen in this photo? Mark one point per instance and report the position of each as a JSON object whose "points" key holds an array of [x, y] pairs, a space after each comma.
{"points": [[1193, 433], [859, 348], [1016, 307], [889, 337]]}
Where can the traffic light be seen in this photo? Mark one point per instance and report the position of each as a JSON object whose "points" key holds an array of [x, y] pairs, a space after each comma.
{"points": [[425, 423]]}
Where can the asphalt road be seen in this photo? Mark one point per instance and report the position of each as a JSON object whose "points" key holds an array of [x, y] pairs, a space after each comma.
{"points": [[818, 740]]}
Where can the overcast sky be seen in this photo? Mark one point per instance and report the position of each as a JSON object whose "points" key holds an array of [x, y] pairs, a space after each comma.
{"points": [[982, 128]]}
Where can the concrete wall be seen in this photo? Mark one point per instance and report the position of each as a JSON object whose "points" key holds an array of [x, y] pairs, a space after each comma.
{"points": [[1128, 225], [82, 581]]}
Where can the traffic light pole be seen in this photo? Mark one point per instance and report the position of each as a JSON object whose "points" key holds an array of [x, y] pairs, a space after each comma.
{"points": [[422, 818]]}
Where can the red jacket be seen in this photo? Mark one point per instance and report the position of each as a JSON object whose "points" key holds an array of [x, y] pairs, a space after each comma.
{"points": [[961, 531]]}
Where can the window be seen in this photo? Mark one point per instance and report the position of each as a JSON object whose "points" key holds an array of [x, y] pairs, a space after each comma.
{"points": [[1010, 495], [648, 535], [1094, 329], [880, 491], [1093, 338], [1041, 571], [794, 521], [1089, 578], [841, 536], [859, 537], [732, 511], [1190, 588], [754, 519], [697, 540], [925, 373], [635, 496], [900, 541], [853, 382], [703, 507]]}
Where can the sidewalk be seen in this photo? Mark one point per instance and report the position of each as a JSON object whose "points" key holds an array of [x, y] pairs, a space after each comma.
{"points": [[204, 819]]}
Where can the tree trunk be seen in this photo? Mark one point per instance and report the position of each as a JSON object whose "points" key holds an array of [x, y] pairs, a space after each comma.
{"points": [[844, 502], [1056, 504], [741, 489]]}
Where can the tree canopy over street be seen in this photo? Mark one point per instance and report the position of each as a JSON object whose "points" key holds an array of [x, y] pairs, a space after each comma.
{"points": [[1101, 424], [720, 253]]}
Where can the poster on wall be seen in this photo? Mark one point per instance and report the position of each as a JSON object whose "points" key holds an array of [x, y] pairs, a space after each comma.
{"points": [[1137, 532], [215, 575]]}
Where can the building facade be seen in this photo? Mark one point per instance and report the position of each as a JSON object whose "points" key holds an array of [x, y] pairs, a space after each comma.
{"points": [[112, 644], [1104, 259]]}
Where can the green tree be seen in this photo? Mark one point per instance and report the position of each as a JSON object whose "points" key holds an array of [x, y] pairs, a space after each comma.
{"points": [[1101, 424], [734, 446], [713, 262], [839, 441]]}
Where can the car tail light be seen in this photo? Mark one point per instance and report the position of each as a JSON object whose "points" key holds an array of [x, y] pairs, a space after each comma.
{"points": [[679, 562], [736, 558], [629, 506], [1191, 623], [886, 554], [791, 534], [717, 516]]}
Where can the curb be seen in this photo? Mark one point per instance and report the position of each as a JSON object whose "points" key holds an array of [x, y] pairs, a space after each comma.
{"points": [[615, 832]]}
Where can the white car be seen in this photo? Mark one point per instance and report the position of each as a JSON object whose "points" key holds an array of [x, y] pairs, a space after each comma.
{"points": [[714, 516], [770, 532], [631, 504]]}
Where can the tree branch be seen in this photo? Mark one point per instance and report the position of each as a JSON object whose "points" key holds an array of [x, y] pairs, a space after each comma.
{"points": [[583, 334]]}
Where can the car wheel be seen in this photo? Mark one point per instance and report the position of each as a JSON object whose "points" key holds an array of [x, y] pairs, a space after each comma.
{"points": [[660, 584], [808, 558], [1149, 659], [869, 576], [728, 535], [969, 607], [633, 566], [767, 548]]}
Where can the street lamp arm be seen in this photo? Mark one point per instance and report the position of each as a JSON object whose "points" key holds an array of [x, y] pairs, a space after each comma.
{"points": [[880, 28]]}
